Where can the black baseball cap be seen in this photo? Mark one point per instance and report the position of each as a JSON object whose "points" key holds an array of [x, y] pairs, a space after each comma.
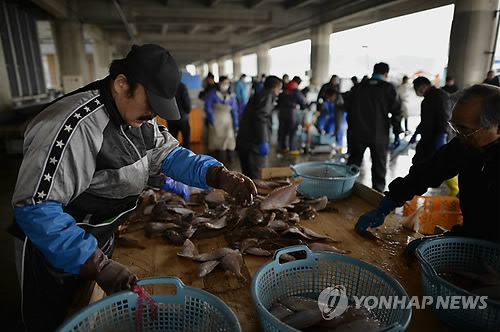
{"points": [[155, 68]]}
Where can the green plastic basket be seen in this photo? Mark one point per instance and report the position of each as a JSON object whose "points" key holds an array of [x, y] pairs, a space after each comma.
{"points": [[189, 309]]}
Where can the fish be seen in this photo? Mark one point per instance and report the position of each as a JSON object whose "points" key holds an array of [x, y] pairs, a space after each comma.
{"points": [[247, 243], [188, 249], [217, 224], [215, 197], [174, 237], [206, 267], [157, 228], [296, 230], [278, 225], [232, 262], [316, 236], [189, 231], [280, 311], [319, 204], [315, 246], [412, 222], [182, 211], [280, 197], [200, 220], [257, 251], [214, 255], [148, 210], [304, 319], [125, 242], [287, 258], [299, 303]]}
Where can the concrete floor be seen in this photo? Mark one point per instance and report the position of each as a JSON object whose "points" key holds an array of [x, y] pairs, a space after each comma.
{"points": [[10, 301]]}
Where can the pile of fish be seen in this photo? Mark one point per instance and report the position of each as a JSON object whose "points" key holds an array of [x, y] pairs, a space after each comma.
{"points": [[303, 313], [270, 223]]}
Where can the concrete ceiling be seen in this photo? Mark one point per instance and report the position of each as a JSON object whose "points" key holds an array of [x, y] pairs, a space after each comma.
{"points": [[203, 30]]}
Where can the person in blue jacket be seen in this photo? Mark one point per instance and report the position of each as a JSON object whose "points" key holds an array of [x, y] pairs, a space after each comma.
{"points": [[241, 91], [221, 110], [331, 120], [87, 158]]}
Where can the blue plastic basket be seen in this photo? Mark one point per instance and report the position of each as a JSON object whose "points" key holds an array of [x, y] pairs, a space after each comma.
{"points": [[189, 309], [319, 270], [326, 179], [450, 254]]}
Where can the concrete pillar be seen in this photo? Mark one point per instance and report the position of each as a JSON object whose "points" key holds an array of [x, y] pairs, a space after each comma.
{"points": [[220, 63], [102, 52], [263, 63], [320, 53], [5, 92], [237, 65], [472, 40], [71, 54], [199, 70]]}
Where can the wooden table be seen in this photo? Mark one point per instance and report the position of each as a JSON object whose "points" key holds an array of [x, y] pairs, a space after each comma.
{"points": [[386, 250]]}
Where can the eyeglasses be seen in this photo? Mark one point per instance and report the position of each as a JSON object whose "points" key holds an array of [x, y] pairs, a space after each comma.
{"points": [[462, 131]]}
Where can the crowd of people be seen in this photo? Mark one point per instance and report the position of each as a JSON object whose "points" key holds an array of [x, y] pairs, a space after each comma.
{"points": [[89, 155]]}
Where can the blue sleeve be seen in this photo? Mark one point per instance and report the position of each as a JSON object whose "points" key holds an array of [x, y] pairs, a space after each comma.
{"points": [[209, 101], [65, 245], [183, 165], [234, 112]]}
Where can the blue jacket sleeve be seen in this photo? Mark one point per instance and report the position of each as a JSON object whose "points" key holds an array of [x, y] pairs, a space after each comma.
{"points": [[65, 245], [183, 165], [209, 101], [234, 112]]}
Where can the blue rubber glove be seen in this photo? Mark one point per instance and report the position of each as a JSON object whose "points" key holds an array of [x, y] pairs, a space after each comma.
{"points": [[176, 188], [375, 217], [263, 149], [441, 140], [397, 141]]}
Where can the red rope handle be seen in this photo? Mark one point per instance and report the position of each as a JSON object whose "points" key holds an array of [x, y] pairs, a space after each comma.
{"points": [[150, 302]]}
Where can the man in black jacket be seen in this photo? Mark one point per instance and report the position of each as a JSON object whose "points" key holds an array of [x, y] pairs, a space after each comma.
{"points": [[184, 104], [368, 122], [474, 155], [434, 116], [255, 130]]}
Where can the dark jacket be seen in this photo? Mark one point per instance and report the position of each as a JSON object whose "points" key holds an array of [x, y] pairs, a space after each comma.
{"points": [[434, 116], [494, 81], [183, 102], [368, 109], [256, 121], [451, 89], [287, 103], [479, 183]]}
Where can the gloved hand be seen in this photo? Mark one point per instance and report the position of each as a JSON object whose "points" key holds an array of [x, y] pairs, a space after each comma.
{"points": [[176, 188], [375, 217], [397, 141], [236, 184], [441, 140], [211, 120], [413, 139], [111, 276], [263, 149]]}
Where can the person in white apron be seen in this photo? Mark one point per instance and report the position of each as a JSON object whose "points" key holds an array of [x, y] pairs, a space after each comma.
{"points": [[221, 109]]}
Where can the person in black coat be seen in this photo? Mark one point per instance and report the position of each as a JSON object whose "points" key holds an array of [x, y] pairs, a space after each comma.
{"points": [[492, 79], [434, 116], [368, 122], [184, 104], [255, 128]]}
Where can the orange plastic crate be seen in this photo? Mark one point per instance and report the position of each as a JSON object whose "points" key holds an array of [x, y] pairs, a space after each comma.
{"points": [[438, 210]]}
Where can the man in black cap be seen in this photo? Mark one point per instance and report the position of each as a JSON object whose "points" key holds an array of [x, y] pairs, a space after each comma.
{"points": [[87, 158]]}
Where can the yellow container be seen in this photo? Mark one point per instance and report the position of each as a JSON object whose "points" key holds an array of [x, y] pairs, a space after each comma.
{"points": [[438, 210]]}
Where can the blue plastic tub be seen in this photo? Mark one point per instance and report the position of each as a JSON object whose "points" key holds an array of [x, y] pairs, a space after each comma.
{"points": [[326, 179], [188, 309], [319, 270], [453, 254]]}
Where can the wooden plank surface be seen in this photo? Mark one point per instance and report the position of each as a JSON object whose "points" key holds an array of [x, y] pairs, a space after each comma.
{"points": [[384, 249]]}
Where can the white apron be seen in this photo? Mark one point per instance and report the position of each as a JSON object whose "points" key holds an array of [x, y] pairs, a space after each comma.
{"points": [[221, 137]]}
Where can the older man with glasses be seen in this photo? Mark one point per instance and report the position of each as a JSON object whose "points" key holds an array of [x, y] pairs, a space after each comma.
{"points": [[473, 155]]}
